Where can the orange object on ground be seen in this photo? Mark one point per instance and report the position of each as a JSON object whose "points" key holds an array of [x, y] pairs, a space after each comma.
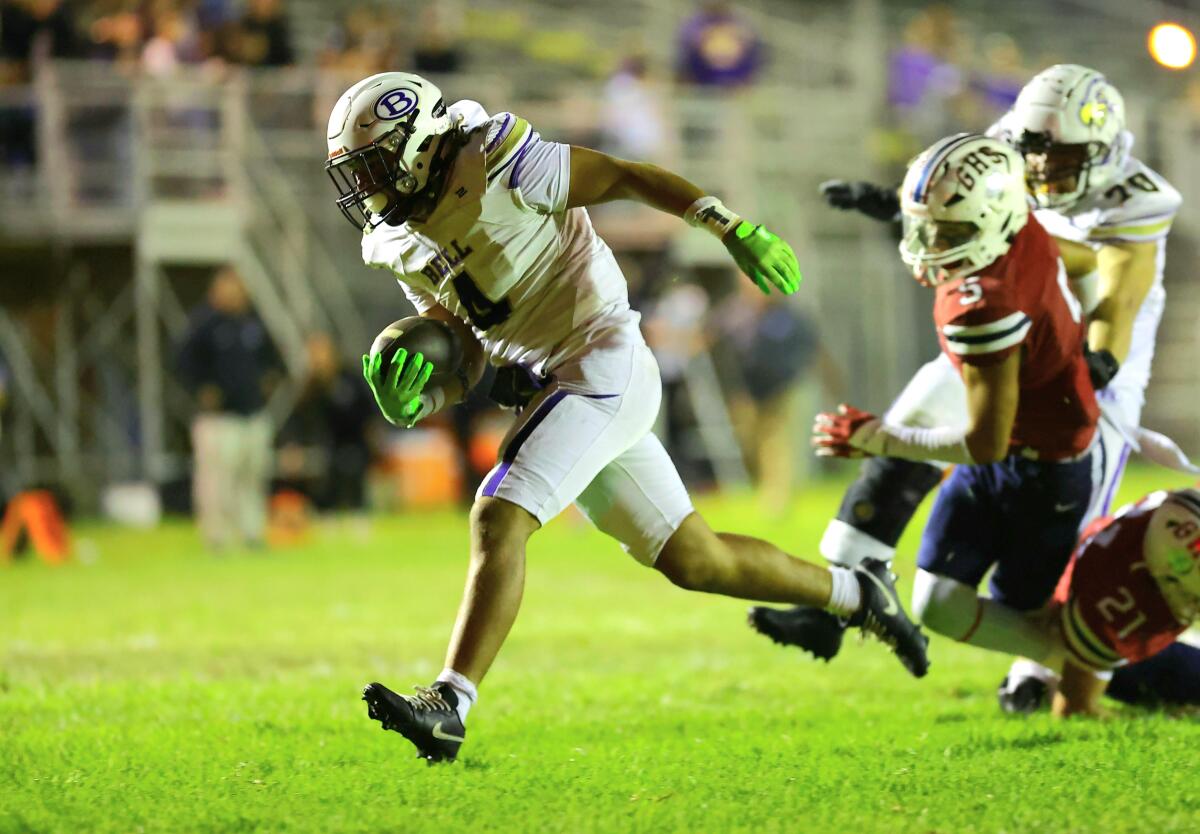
{"points": [[485, 447], [36, 515], [426, 468], [289, 516]]}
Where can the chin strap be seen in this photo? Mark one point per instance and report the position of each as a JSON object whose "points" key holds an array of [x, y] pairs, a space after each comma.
{"points": [[420, 205]]}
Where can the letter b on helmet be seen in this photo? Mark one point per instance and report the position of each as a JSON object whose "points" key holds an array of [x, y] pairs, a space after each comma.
{"points": [[395, 104]]}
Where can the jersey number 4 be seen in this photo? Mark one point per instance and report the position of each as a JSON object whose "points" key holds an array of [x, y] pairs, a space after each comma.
{"points": [[483, 312]]}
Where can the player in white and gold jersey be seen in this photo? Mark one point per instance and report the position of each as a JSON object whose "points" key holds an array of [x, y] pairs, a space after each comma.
{"points": [[1110, 215], [483, 223]]}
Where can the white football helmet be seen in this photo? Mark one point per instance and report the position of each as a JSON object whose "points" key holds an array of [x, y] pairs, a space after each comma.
{"points": [[384, 147], [963, 201], [1069, 123], [1172, 550]]}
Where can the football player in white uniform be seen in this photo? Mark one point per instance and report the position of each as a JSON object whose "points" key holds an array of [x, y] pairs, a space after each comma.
{"points": [[483, 223], [1110, 214]]}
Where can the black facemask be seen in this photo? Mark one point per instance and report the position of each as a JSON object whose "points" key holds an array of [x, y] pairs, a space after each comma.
{"points": [[375, 171]]}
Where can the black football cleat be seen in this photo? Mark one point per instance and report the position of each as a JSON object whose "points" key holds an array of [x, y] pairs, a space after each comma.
{"points": [[882, 616], [816, 631], [1023, 697], [428, 719]]}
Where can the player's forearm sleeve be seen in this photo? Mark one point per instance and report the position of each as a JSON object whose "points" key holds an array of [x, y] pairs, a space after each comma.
{"points": [[942, 443]]}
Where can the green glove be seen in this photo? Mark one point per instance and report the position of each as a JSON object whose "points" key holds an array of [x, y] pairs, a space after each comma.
{"points": [[397, 389], [764, 258]]}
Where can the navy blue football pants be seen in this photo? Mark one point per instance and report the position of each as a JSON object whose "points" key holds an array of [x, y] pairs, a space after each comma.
{"points": [[1021, 516]]}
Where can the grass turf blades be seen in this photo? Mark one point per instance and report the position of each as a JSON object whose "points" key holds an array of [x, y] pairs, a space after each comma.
{"points": [[155, 688]]}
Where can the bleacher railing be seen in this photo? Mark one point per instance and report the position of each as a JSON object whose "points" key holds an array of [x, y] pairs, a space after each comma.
{"points": [[112, 156]]}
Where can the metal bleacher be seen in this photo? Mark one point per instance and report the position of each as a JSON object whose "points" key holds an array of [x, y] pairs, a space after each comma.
{"points": [[199, 169]]}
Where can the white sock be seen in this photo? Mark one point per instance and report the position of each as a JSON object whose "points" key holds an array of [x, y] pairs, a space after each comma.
{"points": [[846, 546], [845, 597], [463, 688], [1003, 629]]}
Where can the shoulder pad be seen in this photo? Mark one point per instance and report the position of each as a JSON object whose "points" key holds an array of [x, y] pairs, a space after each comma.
{"points": [[506, 135], [387, 247], [1140, 207], [469, 114]]}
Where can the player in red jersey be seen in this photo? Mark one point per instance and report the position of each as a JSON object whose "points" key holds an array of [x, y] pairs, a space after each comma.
{"points": [[1131, 588], [1009, 324]]}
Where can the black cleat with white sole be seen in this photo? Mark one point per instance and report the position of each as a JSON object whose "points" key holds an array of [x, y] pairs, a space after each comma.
{"points": [[428, 719], [882, 616], [815, 630]]}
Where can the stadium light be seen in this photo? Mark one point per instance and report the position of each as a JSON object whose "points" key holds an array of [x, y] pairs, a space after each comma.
{"points": [[1172, 45]]}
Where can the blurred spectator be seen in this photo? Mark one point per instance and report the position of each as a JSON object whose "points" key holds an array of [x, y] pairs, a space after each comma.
{"points": [[227, 361], [364, 44], [30, 30], [172, 42], [18, 146], [117, 37], [438, 46], [325, 445], [925, 76], [263, 38], [35, 29], [717, 48], [674, 328], [776, 347], [153, 35], [213, 14], [926, 60], [632, 124], [999, 81], [939, 83], [633, 118]]}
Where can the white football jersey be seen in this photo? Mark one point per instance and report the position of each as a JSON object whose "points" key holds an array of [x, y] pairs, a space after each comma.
{"points": [[502, 252], [1138, 206]]}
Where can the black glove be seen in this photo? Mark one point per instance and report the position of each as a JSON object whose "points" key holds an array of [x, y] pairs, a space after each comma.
{"points": [[1102, 366], [872, 200], [514, 386]]}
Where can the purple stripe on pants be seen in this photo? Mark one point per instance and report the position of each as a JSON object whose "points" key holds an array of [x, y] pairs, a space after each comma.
{"points": [[510, 453], [1116, 479], [493, 484]]}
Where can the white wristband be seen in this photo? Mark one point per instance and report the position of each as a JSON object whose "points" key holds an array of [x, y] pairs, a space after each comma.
{"points": [[942, 443], [710, 213]]}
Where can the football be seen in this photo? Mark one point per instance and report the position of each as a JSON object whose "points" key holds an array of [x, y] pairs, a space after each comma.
{"points": [[433, 339]]}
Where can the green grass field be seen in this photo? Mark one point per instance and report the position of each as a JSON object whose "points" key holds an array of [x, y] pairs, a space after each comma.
{"points": [[150, 687]]}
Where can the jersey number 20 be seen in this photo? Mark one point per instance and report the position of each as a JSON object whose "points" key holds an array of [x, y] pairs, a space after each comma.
{"points": [[484, 312]]}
